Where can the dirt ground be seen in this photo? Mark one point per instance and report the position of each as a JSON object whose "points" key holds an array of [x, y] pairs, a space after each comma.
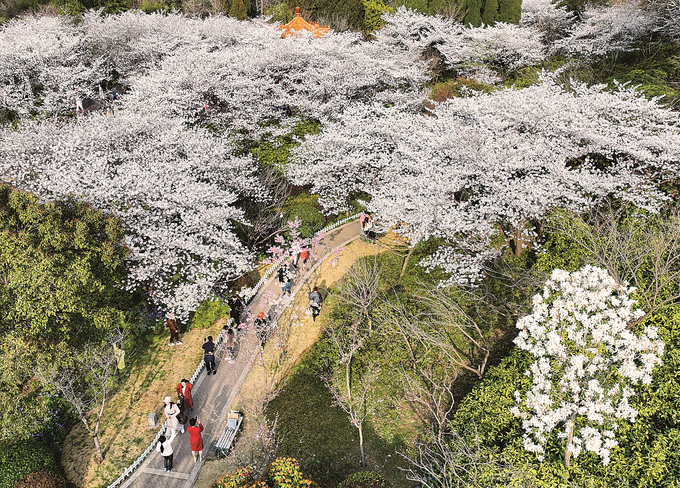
{"points": [[297, 332], [124, 430]]}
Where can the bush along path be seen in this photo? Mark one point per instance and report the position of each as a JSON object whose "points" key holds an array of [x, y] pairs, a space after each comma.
{"points": [[214, 395]]}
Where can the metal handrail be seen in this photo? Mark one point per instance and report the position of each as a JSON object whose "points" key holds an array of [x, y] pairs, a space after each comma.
{"points": [[199, 369]]}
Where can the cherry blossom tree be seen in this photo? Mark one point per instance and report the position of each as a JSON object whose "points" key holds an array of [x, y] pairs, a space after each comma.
{"points": [[607, 31], [481, 169], [173, 187], [587, 357], [503, 47]]}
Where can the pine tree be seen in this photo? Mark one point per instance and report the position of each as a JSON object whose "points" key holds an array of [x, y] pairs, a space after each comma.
{"points": [[509, 11], [238, 10], [490, 12], [474, 13]]}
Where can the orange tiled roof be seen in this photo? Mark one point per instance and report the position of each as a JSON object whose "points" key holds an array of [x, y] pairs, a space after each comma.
{"points": [[298, 24]]}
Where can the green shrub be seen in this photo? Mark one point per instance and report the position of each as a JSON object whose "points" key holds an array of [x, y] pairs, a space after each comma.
{"points": [[373, 11], [70, 8], [312, 219], [364, 479], [208, 313], [238, 10], [42, 479], [652, 82], [20, 459], [285, 473], [151, 7], [279, 13], [240, 479]]}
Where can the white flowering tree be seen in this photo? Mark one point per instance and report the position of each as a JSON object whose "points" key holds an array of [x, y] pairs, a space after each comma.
{"points": [[477, 170], [174, 187], [607, 31], [587, 358], [503, 47]]}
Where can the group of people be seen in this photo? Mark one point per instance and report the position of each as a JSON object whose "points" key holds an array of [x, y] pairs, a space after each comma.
{"points": [[176, 414]]}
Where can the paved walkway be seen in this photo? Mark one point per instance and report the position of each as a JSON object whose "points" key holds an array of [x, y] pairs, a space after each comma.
{"points": [[213, 395]]}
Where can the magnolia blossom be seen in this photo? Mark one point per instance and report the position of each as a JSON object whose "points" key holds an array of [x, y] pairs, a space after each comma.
{"points": [[586, 358]]}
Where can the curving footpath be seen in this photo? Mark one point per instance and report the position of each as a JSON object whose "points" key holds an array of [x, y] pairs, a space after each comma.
{"points": [[213, 395]]}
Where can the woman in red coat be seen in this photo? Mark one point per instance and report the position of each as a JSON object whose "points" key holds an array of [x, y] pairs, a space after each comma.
{"points": [[184, 394], [195, 438]]}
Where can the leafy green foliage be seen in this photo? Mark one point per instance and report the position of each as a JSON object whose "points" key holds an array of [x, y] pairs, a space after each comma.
{"points": [[19, 459], [312, 219], [509, 11], [373, 11], [490, 12], [365, 479], [279, 12], [653, 82], [238, 10], [282, 473], [60, 267], [209, 312]]}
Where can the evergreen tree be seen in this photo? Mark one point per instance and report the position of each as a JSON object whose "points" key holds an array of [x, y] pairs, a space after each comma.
{"points": [[473, 15], [238, 10], [509, 11], [490, 12]]}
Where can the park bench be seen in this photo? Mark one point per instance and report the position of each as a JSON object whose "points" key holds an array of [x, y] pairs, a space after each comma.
{"points": [[226, 439]]}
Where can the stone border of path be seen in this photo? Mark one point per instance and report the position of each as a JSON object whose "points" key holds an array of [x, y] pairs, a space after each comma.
{"points": [[144, 457]]}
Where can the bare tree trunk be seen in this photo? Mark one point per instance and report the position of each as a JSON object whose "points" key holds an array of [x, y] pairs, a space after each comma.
{"points": [[98, 448], [408, 256], [360, 426], [570, 436]]}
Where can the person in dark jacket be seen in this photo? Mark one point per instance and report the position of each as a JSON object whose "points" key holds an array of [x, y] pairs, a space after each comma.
{"points": [[209, 355], [315, 302]]}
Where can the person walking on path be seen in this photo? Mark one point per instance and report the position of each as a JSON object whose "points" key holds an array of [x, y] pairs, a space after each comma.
{"points": [[284, 279], [261, 329], [165, 448], [209, 355], [229, 343], [184, 395], [195, 438], [171, 411], [174, 332], [315, 302], [236, 308]]}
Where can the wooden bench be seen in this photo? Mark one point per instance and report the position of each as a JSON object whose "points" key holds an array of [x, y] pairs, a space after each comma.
{"points": [[226, 439]]}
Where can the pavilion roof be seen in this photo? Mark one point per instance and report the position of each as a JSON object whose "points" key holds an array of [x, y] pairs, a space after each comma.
{"points": [[299, 24]]}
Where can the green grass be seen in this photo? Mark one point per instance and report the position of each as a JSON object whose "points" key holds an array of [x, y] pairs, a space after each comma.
{"points": [[320, 436]]}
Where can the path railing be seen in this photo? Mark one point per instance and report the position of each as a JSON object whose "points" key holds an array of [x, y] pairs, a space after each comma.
{"points": [[201, 365], [275, 266], [138, 462]]}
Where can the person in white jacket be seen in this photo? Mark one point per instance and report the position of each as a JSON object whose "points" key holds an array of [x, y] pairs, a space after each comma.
{"points": [[165, 448]]}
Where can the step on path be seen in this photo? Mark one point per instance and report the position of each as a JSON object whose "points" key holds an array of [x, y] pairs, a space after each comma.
{"points": [[213, 395]]}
